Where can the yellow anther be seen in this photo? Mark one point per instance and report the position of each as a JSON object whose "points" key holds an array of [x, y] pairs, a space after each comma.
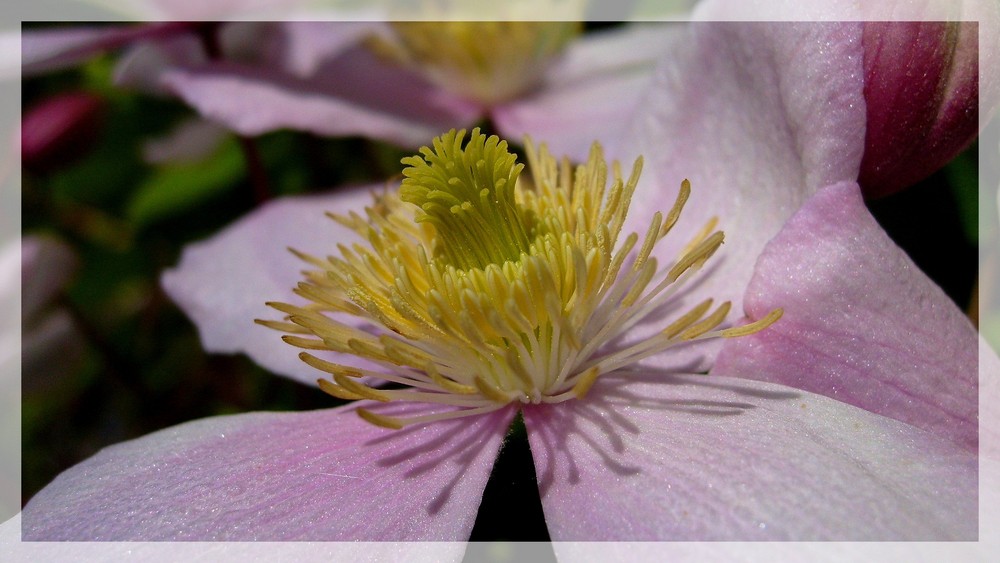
{"points": [[447, 384], [689, 318], [337, 391], [708, 324], [753, 327], [585, 382], [306, 343], [389, 422], [329, 367], [490, 392], [696, 256], [675, 211], [358, 389]]}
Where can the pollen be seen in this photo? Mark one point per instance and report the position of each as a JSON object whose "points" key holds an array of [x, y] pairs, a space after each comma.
{"points": [[489, 62], [475, 287]]}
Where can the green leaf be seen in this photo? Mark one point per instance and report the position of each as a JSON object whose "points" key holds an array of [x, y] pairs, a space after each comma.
{"points": [[175, 189], [963, 175]]}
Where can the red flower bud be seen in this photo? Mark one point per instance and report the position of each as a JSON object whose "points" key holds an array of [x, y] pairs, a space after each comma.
{"points": [[59, 129], [922, 93]]}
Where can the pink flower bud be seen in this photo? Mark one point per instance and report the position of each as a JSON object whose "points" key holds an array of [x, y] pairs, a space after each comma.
{"points": [[922, 93], [59, 129]]}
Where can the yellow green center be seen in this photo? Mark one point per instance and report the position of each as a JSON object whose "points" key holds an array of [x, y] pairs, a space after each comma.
{"points": [[486, 61], [476, 288]]}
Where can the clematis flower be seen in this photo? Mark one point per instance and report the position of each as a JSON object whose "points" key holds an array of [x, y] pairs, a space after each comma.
{"points": [[921, 85], [850, 418], [407, 82]]}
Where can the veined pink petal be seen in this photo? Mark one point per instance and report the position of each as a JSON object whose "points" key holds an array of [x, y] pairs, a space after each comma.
{"points": [[862, 323], [650, 456], [591, 92], [354, 94], [757, 116], [321, 475], [223, 282]]}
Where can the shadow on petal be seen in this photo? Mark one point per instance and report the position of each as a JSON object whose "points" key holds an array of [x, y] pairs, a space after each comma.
{"points": [[602, 421], [454, 441]]}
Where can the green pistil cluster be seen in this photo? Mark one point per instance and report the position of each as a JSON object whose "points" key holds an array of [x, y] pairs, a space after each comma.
{"points": [[468, 196]]}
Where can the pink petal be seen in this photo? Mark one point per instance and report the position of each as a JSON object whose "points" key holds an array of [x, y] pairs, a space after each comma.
{"points": [[223, 282], [758, 116], [321, 475], [308, 44], [354, 94], [47, 266], [13, 549], [989, 399], [52, 349], [143, 65], [590, 93], [660, 457], [53, 49], [191, 140], [862, 323]]}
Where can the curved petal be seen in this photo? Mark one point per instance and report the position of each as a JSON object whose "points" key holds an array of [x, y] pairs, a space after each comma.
{"points": [[53, 49], [223, 282], [757, 116], [143, 65], [654, 457], [590, 93], [354, 94], [862, 323], [321, 475]]}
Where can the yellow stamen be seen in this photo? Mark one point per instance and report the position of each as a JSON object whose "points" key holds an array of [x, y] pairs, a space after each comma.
{"points": [[478, 287], [585, 382], [337, 391], [389, 422], [753, 327]]}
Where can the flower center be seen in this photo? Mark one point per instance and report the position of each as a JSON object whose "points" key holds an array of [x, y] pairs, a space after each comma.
{"points": [[489, 62], [486, 289]]}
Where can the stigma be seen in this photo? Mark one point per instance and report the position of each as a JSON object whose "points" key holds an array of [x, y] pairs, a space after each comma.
{"points": [[476, 287], [489, 62]]}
